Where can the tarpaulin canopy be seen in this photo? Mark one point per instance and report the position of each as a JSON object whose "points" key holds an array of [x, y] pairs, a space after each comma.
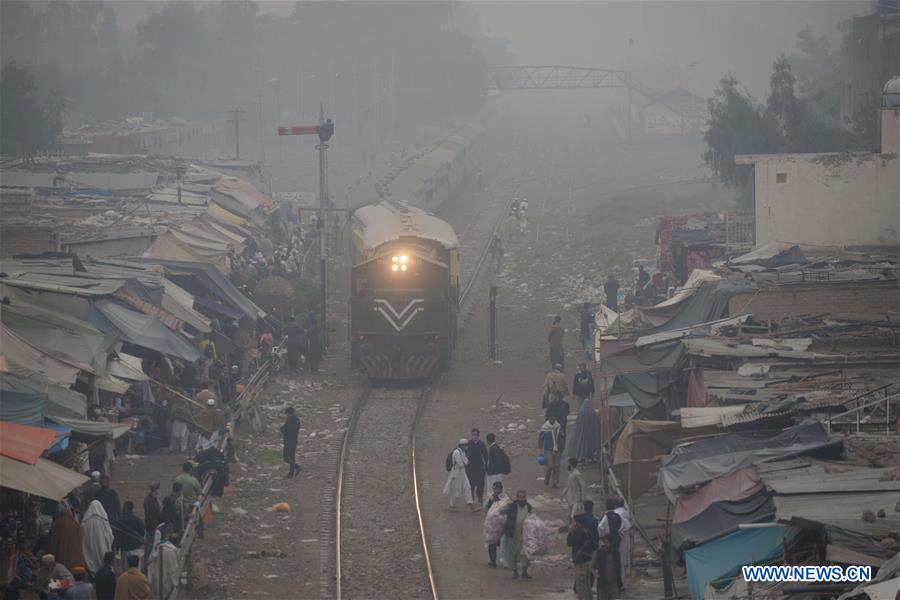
{"points": [[774, 254], [140, 329], [126, 366], [709, 302], [29, 361], [694, 464], [24, 443], [212, 280], [720, 518], [724, 557], [57, 333], [650, 374], [19, 394], [20, 403], [94, 428], [733, 487], [44, 478]]}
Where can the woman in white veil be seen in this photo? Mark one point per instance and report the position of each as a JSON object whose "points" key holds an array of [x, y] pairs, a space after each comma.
{"points": [[98, 536]]}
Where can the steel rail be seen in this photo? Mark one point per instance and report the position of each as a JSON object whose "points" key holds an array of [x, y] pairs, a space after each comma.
{"points": [[420, 409]]}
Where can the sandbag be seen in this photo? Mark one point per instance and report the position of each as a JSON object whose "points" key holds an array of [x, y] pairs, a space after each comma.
{"points": [[495, 521], [535, 536]]}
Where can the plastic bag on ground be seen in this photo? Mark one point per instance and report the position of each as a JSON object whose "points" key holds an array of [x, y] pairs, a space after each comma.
{"points": [[535, 536], [495, 521]]}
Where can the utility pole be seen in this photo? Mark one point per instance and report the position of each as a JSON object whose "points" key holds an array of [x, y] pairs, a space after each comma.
{"points": [[324, 136], [237, 132], [262, 143]]}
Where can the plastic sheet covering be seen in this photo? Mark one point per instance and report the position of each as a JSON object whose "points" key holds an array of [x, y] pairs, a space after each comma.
{"points": [[650, 375], [126, 366], [734, 487], [495, 521], [26, 400], [24, 443], [140, 329], [94, 428], [535, 536], [27, 360], [724, 557], [44, 478], [721, 518], [695, 464]]}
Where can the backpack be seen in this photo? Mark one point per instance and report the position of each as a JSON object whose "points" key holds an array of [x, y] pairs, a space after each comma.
{"points": [[504, 467], [449, 463]]}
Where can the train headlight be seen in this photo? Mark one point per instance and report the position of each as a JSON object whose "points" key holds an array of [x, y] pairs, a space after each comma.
{"points": [[403, 267], [403, 259], [394, 267], [395, 259]]}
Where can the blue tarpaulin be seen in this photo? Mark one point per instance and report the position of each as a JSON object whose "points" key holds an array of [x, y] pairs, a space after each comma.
{"points": [[724, 557]]}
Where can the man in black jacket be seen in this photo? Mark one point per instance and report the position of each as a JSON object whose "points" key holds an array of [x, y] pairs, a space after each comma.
{"points": [[558, 408], [477, 455], [583, 383], [109, 498], [105, 579], [582, 539], [152, 517], [289, 432], [130, 533], [497, 466]]}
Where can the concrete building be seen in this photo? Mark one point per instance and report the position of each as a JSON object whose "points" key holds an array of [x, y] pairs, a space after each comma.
{"points": [[870, 55], [832, 199]]}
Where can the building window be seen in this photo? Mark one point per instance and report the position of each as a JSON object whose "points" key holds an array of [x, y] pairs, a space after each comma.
{"points": [[780, 177]]}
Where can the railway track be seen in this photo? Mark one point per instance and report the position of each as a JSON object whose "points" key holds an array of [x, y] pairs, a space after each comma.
{"points": [[375, 495]]}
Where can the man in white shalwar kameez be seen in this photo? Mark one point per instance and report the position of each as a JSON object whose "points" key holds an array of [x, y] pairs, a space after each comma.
{"points": [[625, 535], [457, 485], [98, 536]]}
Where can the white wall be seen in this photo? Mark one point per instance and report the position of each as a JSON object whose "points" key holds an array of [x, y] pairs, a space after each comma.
{"points": [[828, 199]]}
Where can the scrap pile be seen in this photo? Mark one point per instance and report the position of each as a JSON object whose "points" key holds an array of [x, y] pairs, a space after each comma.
{"points": [[765, 401]]}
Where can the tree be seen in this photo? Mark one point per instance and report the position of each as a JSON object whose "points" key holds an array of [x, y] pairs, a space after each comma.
{"points": [[28, 123], [782, 107], [736, 126], [816, 66]]}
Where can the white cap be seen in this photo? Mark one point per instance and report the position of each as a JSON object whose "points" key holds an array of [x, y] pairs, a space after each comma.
{"points": [[95, 475], [210, 401], [463, 441]]}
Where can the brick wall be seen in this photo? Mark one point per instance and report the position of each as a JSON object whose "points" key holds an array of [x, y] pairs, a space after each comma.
{"points": [[796, 300], [20, 239]]}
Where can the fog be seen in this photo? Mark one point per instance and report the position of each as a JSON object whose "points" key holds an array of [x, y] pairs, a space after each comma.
{"points": [[693, 43]]}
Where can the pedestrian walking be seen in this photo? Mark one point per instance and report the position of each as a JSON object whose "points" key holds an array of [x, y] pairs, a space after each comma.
{"points": [[132, 584], [289, 432], [586, 328], [582, 541], [313, 350], [497, 495], [476, 455], [497, 251], [81, 589], [514, 533], [457, 486], [152, 517], [173, 509], [130, 530], [609, 568], [98, 536], [105, 578], [624, 538], [584, 440], [611, 287], [296, 344], [163, 581], [555, 339], [554, 385], [66, 539], [583, 383], [552, 442], [191, 490], [575, 488], [558, 409], [498, 465], [109, 498]]}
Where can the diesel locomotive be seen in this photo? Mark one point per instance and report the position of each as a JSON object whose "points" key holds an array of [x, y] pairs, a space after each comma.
{"points": [[404, 292]]}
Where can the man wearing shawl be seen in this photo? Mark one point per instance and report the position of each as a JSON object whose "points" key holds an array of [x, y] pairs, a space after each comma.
{"points": [[98, 536], [574, 492], [458, 485], [66, 539], [164, 577]]}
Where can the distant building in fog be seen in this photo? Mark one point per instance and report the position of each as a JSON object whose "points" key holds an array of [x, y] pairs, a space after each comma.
{"points": [[835, 198], [675, 112], [870, 55]]}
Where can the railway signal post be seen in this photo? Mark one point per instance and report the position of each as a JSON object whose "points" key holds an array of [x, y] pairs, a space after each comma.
{"points": [[325, 130]]}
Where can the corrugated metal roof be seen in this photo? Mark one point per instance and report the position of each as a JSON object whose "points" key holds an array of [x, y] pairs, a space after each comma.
{"points": [[717, 347], [27, 179], [140, 180], [818, 480], [842, 510]]}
